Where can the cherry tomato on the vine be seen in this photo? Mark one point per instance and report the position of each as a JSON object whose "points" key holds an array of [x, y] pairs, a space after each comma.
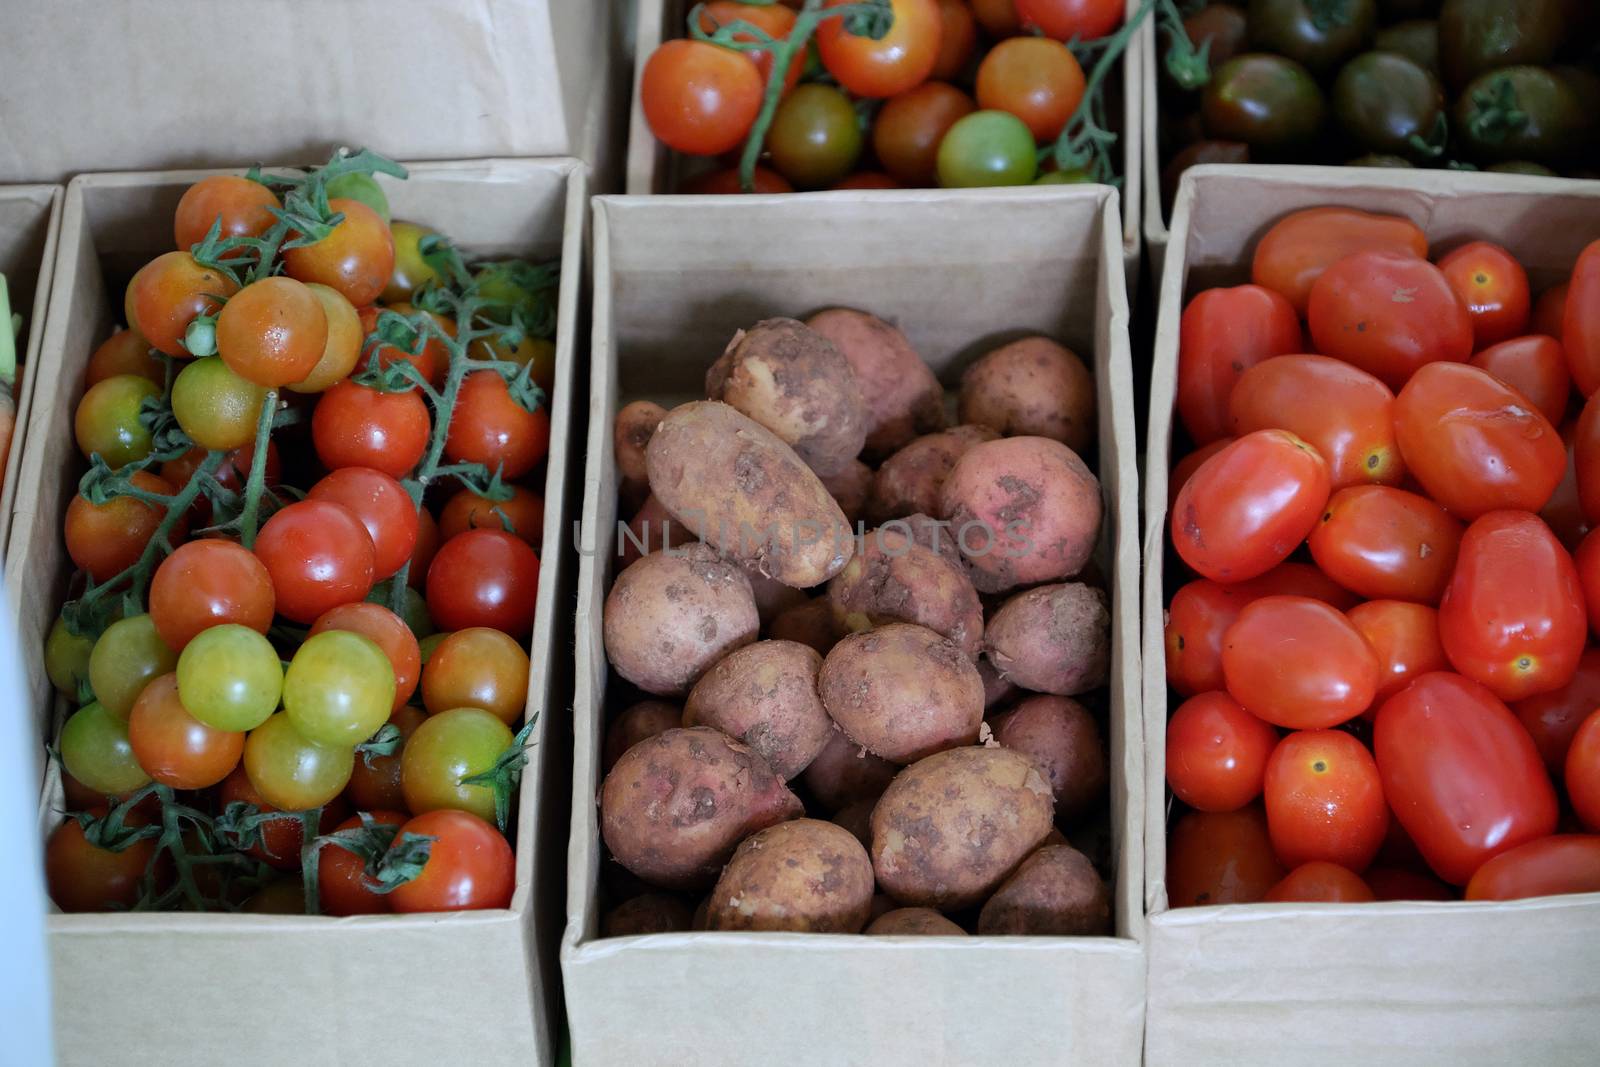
{"points": [[106, 539], [726, 182], [1223, 333], [987, 148], [1386, 543], [375, 780], [433, 359], [1390, 314], [958, 39], [1217, 753], [167, 294], [490, 427], [107, 420], [1064, 20], [237, 205], [216, 407], [174, 747], [698, 98], [356, 426], [484, 578], [449, 747], [1034, 78], [95, 750], [289, 771], [343, 347], [522, 515], [477, 668], [280, 840], [127, 655], [339, 688], [382, 505], [1534, 366], [815, 138], [428, 541], [1493, 286], [83, 877], [356, 258], [389, 632], [900, 60], [1270, 668], [410, 269], [208, 583], [319, 556], [229, 677], [909, 127], [997, 17], [775, 19], [470, 865], [272, 332], [124, 352], [341, 874]]}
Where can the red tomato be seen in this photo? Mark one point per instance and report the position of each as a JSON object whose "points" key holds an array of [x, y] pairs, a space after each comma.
{"points": [[208, 583], [1324, 800], [1298, 663], [484, 578], [356, 258], [491, 428], [1550, 312], [1563, 512], [389, 632], [168, 292], [1389, 313], [1066, 19], [522, 515], [354, 426], [106, 539], [384, 508], [469, 866], [1586, 459], [84, 877], [775, 19], [1583, 772], [1298, 579], [1552, 718], [375, 780], [1319, 882], [281, 839], [1587, 560], [1223, 333], [319, 555], [1344, 412], [866, 179], [1405, 637], [1461, 774], [428, 541], [1217, 753], [124, 352], [232, 474], [1221, 858], [1493, 286], [241, 208], [1250, 505], [726, 181], [433, 360], [1034, 78], [174, 747], [1580, 324], [1565, 863], [1185, 467], [997, 17], [1513, 616], [901, 60], [698, 98], [1299, 247], [1386, 543], [341, 874], [1534, 366], [1475, 444], [909, 127], [1392, 883], [958, 39]]}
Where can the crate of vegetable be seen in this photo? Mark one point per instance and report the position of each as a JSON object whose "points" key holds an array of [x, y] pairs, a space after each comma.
{"points": [[30, 219], [1369, 590], [781, 732], [288, 553]]}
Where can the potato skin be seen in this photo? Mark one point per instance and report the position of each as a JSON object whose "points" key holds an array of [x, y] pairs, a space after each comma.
{"points": [[996, 688], [675, 806], [903, 397], [891, 578], [670, 616], [913, 922], [765, 695], [652, 913], [857, 818], [1026, 510], [952, 827], [1060, 736], [909, 481], [652, 528], [793, 381], [844, 774], [810, 623], [636, 424], [1034, 388], [732, 482], [1052, 639], [806, 876], [1056, 892], [773, 598], [850, 486], [632, 725], [902, 691]]}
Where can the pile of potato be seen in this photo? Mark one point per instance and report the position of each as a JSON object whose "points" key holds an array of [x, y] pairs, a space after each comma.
{"points": [[849, 727]]}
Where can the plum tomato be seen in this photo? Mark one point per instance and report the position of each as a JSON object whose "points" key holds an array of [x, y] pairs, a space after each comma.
{"points": [[95, 750], [1321, 882], [1384, 543], [909, 127], [106, 539], [1580, 323], [1324, 800], [384, 508], [1586, 459], [208, 583], [1552, 718], [1475, 444], [699, 99], [522, 515], [451, 746], [1550, 312], [1587, 560], [1493, 286], [1342, 411], [477, 668], [1299, 247], [1512, 617], [342, 883], [375, 780], [339, 688], [319, 556], [470, 866], [1217, 753], [1563, 512], [216, 407], [356, 258], [1064, 20], [1461, 774], [484, 578], [1397, 883], [343, 348], [389, 632], [238, 206], [127, 655], [1298, 663], [124, 352], [272, 332], [1224, 333], [169, 292], [1405, 637], [1563, 863], [902, 59], [987, 148], [1221, 858], [229, 678], [774, 19], [490, 427], [107, 422], [289, 771], [815, 138], [174, 747], [958, 39], [1388, 313], [1582, 772], [1034, 78], [1250, 505], [82, 876], [1534, 366], [355, 426], [1184, 469]]}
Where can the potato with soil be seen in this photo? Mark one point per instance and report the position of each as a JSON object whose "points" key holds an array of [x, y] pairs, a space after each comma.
{"points": [[793, 381], [910, 481], [952, 827], [913, 922], [996, 688], [1032, 388], [902, 691], [891, 578], [1052, 639], [850, 488], [652, 913], [742, 490], [1061, 738], [805, 876], [1055, 893], [765, 695], [650, 530], [857, 818], [844, 773], [676, 805], [810, 623], [636, 424], [1025, 510], [903, 397], [644, 719], [669, 617]]}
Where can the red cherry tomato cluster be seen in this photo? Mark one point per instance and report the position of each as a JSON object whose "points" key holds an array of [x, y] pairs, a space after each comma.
{"points": [[1385, 685], [260, 684]]}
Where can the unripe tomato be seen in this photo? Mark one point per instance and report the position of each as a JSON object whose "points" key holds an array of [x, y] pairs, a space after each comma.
{"points": [[1405, 638], [1217, 753], [1223, 333], [1320, 882], [1298, 663], [1582, 775], [1553, 718], [107, 420], [1493, 286], [389, 632], [1580, 324], [815, 138], [1534, 366], [1342, 411], [1293, 254], [1386, 543], [449, 747], [909, 127], [1390, 314], [290, 772], [1221, 858], [1564, 863], [902, 59], [1324, 800]]}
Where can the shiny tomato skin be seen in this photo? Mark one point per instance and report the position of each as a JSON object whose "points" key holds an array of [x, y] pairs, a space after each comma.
{"points": [[1513, 615], [1475, 444], [389, 632], [354, 426], [174, 747], [1550, 312], [1293, 254], [958, 39], [1036, 79], [491, 428], [382, 505], [468, 511], [1324, 800], [698, 98], [1217, 753], [1087, 20], [356, 258], [1184, 469], [910, 125], [1221, 858], [1582, 773], [272, 332], [1320, 882], [82, 877], [106, 539], [1344, 412], [1405, 637], [1298, 663], [1388, 313], [1534, 366], [209, 583], [775, 19], [124, 352], [1386, 544], [1553, 718], [319, 555], [168, 292], [1394, 883], [1223, 333], [240, 207], [341, 874], [1550, 866], [484, 578], [375, 781], [1250, 505], [1494, 287], [1461, 774], [281, 839], [470, 866], [1580, 323], [901, 60]]}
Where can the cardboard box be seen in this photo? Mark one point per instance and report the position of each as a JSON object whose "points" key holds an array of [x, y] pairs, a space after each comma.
{"points": [[1398, 983], [960, 271], [488, 974], [30, 221]]}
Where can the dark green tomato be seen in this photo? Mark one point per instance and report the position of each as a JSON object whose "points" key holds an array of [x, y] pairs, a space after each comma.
{"points": [[1389, 104], [815, 138], [1476, 36], [1270, 103], [1065, 177], [124, 658], [108, 420], [1519, 113], [987, 148], [1196, 154], [1521, 166], [1378, 159], [1417, 40], [1319, 34], [1225, 26]]}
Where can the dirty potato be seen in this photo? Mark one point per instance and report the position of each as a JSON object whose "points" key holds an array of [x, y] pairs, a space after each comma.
{"points": [[652, 913], [844, 773], [903, 397], [1033, 388], [644, 719], [857, 818], [810, 623], [765, 695], [1061, 738], [806, 875], [913, 922], [850, 488], [1055, 893], [1052, 638], [910, 481], [902, 691], [635, 425], [891, 578], [650, 530]]}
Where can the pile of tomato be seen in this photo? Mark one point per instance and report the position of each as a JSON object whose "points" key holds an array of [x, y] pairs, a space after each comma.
{"points": [[1385, 685], [278, 650]]}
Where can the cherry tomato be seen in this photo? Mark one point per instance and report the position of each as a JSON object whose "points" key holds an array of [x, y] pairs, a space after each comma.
{"points": [[1493, 286], [1550, 312], [1034, 78], [433, 360], [272, 332], [1580, 324], [444, 750], [1342, 411], [84, 877], [208, 583], [319, 556], [478, 668], [354, 426], [95, 750], [1320, 882], [725, 182], [229, 678], [1224, 333], [1298, 663], [428, 541], [167, 294], [1582, 772], [958, 39], [775, 19], [231, 474], [537, 352], [1534, 366], [1475, 444], [1065, 19], [106, 539], [281, 839], [997, 17], [1324, 800], [470, 866], [382, 505], [1185, 467], [66, 657], [410, 269], [356, 258], [389, 632], [1250, 505], [1299, 247], [237, 205], [1565, 863], [375, 780], [1461, 774], [1393, 883], [484, 578], [339, 688], [698, 98], [174, 747], [902, 59], [1388, 313], [127, 655], [815, 137], [341, 874], [1512, 617], [290, 772], [491, 428], [343, 348], [124, 352], [1217, 753], [909, 127], [1221, 858], [107, 420], [1386, 543], [987, 148], [1552, 718], [216, 407], [524, 513], [1405, 638]]}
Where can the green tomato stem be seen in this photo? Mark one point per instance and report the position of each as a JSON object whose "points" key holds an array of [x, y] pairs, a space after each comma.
{"points": [[256, 484]]}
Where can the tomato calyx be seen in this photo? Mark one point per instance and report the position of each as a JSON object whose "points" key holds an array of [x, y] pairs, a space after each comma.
{"points": [[505, 773], [1496, 113], [386, 742], [389, 858], [111, 831]]}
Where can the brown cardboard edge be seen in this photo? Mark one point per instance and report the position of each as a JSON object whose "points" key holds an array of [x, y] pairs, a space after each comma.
{"points": [[36, 331]]}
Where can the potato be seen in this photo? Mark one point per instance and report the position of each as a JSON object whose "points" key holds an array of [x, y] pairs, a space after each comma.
{"points": [[1052, 639], [882, 904], [636, 424], [650, 530], [1056, 892], [746, 493], [1024, 509], [913, 922], [669, 617], [903, 397], [952, 827], [810, 623], [700, 911], [1033, 387], [773, 598], [1061, 738], [765, 695], [902, 691], [850, 488], [675, 806], [844, 773], [793, 381], [996, 688], [807, 876], [893, 579], [644, 719], [652, 913], [910, 480], [857, 818]]}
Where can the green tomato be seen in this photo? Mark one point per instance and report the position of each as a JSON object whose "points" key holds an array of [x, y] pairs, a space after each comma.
{"points": [[413, 607], [339, 688], [815, 137], [428, 644], [215, 406], [66, 657], [362, 187], [126, 657], [1384, 100], [987, 148], [292, 773], [410, 269], [495, 284], [443, 750], [1065, 177], [1552, 127], [229, 677], [95, 750], [107, 419]]}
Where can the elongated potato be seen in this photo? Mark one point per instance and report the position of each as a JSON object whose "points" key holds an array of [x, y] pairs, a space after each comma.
{"points": [[903, 691], [1056, 892], [903, 397], [1032, 387], [844, 773], [806, 875], [891, 578], [765, 695], [1052, 639], [1061, 738], [850, 487], [636, 424], [670, 616], [951, 828], [913, 922], [910, 481], [676, 805], [644, 719], [652, 913], [745, 492], [810, 623]]}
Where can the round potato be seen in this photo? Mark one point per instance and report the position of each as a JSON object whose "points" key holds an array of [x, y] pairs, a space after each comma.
{"points": [[910, 480], [652, 913], [844, 773], [765, 694], [650, 530], [913, 922], [903, 397], [810, 623], [670, 616], [891, 578], [1056, 893], [857, 818], [902, 691], [807, 876], [636, 424], [1061, 738], [1051, 639], [1034, 388], [850, 488], [644, 719]]}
